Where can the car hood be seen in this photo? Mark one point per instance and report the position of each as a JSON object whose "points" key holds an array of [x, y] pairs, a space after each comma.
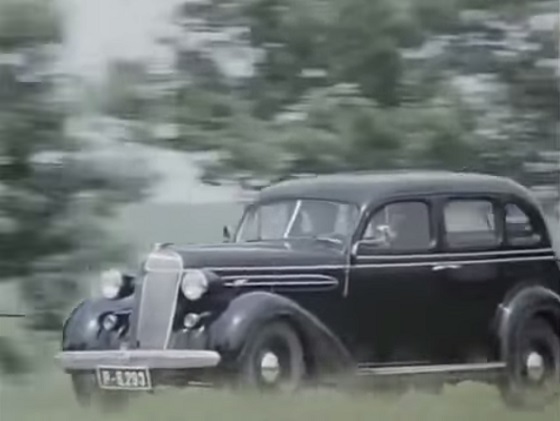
{"points": [[261, 254]]}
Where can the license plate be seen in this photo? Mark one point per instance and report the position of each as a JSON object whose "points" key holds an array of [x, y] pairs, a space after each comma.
{"points": [[127, 378]]}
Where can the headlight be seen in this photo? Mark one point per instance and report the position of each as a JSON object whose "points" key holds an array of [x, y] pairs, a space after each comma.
{"points": [[194, 284], [111, 283], [109, 321]]}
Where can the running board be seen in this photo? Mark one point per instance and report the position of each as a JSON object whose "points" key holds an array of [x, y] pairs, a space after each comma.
{"points": [[445, 369]]}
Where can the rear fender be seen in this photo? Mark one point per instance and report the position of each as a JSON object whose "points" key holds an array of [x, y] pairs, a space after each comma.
{"points": [[520, 306], [246, 314]]}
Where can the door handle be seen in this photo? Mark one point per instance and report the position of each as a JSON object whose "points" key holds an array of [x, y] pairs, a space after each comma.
{"points": [[437, 268]]}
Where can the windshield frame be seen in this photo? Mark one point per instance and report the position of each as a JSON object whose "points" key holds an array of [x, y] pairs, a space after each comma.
{"points": [[298, 202]]}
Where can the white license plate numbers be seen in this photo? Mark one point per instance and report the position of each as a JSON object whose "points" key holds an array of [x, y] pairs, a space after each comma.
{"points": [[126, 378]]}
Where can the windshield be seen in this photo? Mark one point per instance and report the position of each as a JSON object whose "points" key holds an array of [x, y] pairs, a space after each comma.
{"points": [[298, 218]]}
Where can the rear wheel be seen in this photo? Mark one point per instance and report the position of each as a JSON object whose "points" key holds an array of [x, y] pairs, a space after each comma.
{"points": [[88, 394], [273, 360], [534, 369]]}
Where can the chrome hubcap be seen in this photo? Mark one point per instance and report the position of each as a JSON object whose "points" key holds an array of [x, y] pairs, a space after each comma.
{"points": [[270, 367], [534, 364]]}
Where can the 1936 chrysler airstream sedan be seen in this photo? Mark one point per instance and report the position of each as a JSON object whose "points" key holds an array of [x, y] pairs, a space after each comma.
{"points": [[379, 275]]}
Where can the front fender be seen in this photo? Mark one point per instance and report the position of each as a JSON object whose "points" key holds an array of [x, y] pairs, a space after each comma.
{"points": [[232, 330], [82, 330], [518, 307]]}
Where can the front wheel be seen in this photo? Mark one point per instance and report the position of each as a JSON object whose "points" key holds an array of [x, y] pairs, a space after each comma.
{"points": [[533, 379], [273, 360], [89, 395]]}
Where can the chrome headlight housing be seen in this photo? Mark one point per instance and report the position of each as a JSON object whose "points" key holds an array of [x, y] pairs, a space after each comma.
{"points": [[194, 284], [112, 281]]}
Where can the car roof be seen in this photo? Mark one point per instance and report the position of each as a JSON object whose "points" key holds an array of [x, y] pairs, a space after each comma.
{"points": [[363, 188]]}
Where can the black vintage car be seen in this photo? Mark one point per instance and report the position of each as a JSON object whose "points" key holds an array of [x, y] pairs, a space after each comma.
{"points": [[399, 274]]}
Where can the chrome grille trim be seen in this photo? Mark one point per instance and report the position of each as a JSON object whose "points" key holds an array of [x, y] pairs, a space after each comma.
{"points": [[157, 301]]}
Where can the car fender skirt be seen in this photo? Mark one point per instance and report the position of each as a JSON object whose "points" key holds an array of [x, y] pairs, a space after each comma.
{"points": [[233, 329], [520, 306]]}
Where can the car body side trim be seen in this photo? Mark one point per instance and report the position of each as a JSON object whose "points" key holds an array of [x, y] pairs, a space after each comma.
{"points": [[458, 255], [457, 262], [381, 265], [282, 284], [268, 280]]}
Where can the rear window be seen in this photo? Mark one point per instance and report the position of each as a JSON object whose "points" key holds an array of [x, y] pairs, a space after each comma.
{"points": [[470, 224], [520, 231]]}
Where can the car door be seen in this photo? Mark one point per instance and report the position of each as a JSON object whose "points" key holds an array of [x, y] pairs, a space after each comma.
{"points": [[391, 284], [470, 263]]}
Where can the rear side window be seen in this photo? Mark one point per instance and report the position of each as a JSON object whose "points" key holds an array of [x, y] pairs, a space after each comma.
{"points": [[520, 231], [470, 224]]}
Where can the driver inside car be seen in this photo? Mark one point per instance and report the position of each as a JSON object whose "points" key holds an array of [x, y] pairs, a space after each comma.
{"points": [[315, 219]]}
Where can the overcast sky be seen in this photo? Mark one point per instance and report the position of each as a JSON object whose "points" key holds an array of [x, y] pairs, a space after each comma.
{"points": [[101, 29], [98, 30]]}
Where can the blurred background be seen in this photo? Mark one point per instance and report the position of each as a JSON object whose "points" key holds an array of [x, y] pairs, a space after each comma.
{"points": [[128, 122]]}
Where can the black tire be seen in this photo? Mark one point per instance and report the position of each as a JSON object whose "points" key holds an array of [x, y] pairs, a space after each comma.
{"points": [[281, 341], [88, 395], [526, 390]]}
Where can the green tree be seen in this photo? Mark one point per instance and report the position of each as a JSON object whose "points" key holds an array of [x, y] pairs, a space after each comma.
{"points": [[358, 84], [511, 47], [329, 90], [54, 192]]}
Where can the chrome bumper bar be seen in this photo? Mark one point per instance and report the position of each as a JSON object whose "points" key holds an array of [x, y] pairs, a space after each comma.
{"points": [[152, 359]]}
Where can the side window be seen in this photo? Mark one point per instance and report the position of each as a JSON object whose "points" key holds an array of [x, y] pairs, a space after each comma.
{"points": [[346, 220], [402, 226], [267, 221], [317, 217], [470, 224], [519, 229]]}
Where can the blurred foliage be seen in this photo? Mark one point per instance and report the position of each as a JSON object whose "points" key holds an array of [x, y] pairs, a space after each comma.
{"points": [[55, 188], [11, 359], [27, 22], [330, 85]]}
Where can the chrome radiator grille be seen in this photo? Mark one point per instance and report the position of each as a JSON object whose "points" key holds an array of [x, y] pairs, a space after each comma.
{"points": [[156, 300]]}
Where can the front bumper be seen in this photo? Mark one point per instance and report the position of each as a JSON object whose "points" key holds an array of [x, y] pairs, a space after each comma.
{"points": [[151, 359]]}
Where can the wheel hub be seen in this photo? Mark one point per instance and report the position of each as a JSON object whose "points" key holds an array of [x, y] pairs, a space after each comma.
{"points": [[534, 364], [270, 367]]}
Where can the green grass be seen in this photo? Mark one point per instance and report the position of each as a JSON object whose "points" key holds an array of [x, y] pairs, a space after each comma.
{"points": [[46, 395]]}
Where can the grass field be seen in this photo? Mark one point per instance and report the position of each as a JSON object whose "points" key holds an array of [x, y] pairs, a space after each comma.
{"points": [[49, 398], [45, 395]]}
